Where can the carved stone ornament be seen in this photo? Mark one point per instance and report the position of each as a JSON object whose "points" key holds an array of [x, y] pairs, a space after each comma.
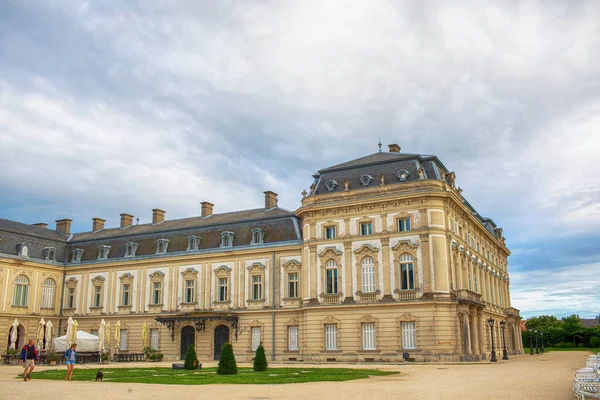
{"points": [[257, 268], [98, 280], [366, 180], [71, 283], [189, 273], [331, 185], [156, 276], [331, 253], [223, 271], [126, 278], [292, 265], [403, 175]]}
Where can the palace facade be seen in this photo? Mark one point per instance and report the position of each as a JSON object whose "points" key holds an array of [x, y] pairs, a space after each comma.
{"points": [[385, 260]]}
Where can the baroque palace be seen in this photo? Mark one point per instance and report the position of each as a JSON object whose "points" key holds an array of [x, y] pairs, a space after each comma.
{"points": [[384, 261]]}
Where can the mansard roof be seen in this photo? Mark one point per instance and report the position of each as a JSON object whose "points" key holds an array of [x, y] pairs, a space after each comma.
{"points": [[37, 239], [374, 165]]}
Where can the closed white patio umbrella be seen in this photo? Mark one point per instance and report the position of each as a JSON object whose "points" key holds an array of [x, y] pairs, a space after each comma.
{"points": [[40, 333], [14, 331], [101, 332], [49, 327], [118, 336], [69, 334], [75, 326], [107, 334]]}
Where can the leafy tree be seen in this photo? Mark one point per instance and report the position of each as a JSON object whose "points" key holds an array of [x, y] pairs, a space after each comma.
{"points": [[595, 341], [542, 323], [227, 364], [573, 328], [191, 359], [260, 360]]}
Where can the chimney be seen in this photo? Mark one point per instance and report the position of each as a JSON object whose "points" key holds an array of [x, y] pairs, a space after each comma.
{"points": [[157, 215], [394, 148], [207, 209], [126, 220], [270, 199], [64, 226], [98, 224], [41, 225]]}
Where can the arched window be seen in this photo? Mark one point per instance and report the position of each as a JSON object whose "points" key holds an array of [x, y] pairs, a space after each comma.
{"points": [[407, 272], [48, 291], [21, 292], [368, 275], [331, 277]]}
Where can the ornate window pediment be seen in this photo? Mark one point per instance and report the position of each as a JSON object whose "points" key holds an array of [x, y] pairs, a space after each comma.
{"points": [[331, 253], [157, 276], [330, 320], [366, 250], [292, 265], [126, 278], [367, 319], [98, 280], [223, 271], [257, 268], [190, 273], [405, 246], [71, 283]]}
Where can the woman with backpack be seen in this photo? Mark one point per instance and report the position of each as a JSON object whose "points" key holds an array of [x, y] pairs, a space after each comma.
{"points": [[70, 357]]}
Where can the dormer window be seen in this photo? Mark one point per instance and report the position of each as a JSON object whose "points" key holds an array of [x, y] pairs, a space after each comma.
{"points": [[130, 249], [50, 253], [103, 252], [227, 239], [193, 242], [258, 236], [77, 254], [23, 250], [161, 246]]}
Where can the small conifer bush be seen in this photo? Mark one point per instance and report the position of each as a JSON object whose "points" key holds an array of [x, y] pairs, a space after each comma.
{"points": [[260, 360], [191, 360], [227, 364]]}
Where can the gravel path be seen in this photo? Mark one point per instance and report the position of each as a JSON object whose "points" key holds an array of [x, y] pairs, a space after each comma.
{"points": [[548, 376]]}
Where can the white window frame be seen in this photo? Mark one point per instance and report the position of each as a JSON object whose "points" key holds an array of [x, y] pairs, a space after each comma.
{"points": [[368, 335], [368, 275], [257, 292], [70, 298], [293, 283], [409, 335], [293, 338], [404, 225], [331, 337], [157, 299], [256, 337], [366, 232], [123, 344], [48, 293], [21, 290], [125, 289], [97, 296], [333, 230], [331, 265], [223, 289], [154, 338], [189, 291], [407, 261]]}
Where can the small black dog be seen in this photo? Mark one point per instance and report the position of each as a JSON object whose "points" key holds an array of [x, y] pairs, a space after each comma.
{"points": [[99, 375]]}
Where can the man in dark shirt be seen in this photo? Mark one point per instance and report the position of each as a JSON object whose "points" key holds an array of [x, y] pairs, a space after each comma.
{"points": [[29, 355]]}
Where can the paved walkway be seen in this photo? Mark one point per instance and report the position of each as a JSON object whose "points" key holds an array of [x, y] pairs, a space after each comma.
{"points": [[548, 376]]}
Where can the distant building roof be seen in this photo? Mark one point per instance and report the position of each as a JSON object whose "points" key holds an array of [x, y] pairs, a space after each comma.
{"points": [[590, 322]]}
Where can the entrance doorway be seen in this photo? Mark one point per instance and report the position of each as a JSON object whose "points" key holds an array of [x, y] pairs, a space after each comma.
{"points": [[221, 338], [187, 340]]}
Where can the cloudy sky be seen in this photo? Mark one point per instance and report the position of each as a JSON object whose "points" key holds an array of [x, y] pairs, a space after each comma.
{"points": [[123, 106]]}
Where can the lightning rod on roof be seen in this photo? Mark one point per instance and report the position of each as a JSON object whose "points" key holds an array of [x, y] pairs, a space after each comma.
{"points": [[379, 144]]}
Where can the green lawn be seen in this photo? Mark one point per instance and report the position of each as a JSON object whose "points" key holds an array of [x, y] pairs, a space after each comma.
{"points": [[167, 376], [595, 351]]}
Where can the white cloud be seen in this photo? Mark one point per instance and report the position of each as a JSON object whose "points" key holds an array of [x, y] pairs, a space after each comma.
{"points": [[561, 291]]}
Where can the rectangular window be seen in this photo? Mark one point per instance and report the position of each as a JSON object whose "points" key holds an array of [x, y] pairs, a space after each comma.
{"points": [[125, 294], [256, 287], [123, 344], [97, 296], [332, 281], [71, 298], [404, 225], [478, 248], [492, 292], [331, 337], [222, 289], [190, 287], [407, 276], [476, 285], [47, 296], [368, 332], [293, 338], [256, 337], [154, 338], [368, 277], [330, 232], [20, 297], [366, 228], [470, 285], [293, 285], [409, 335], [157, 293]]}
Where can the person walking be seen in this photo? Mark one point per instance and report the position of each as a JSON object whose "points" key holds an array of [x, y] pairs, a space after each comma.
{"points": [[28, 357], [70, 357]]}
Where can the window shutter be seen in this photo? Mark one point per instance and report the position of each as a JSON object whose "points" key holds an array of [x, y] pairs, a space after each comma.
{"points": [[293, 337]]}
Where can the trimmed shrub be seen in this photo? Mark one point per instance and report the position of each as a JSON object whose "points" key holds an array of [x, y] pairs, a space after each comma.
{"points": [[260, 360], [227, 364], [580, 345], [595, 341], [191, 360]]}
